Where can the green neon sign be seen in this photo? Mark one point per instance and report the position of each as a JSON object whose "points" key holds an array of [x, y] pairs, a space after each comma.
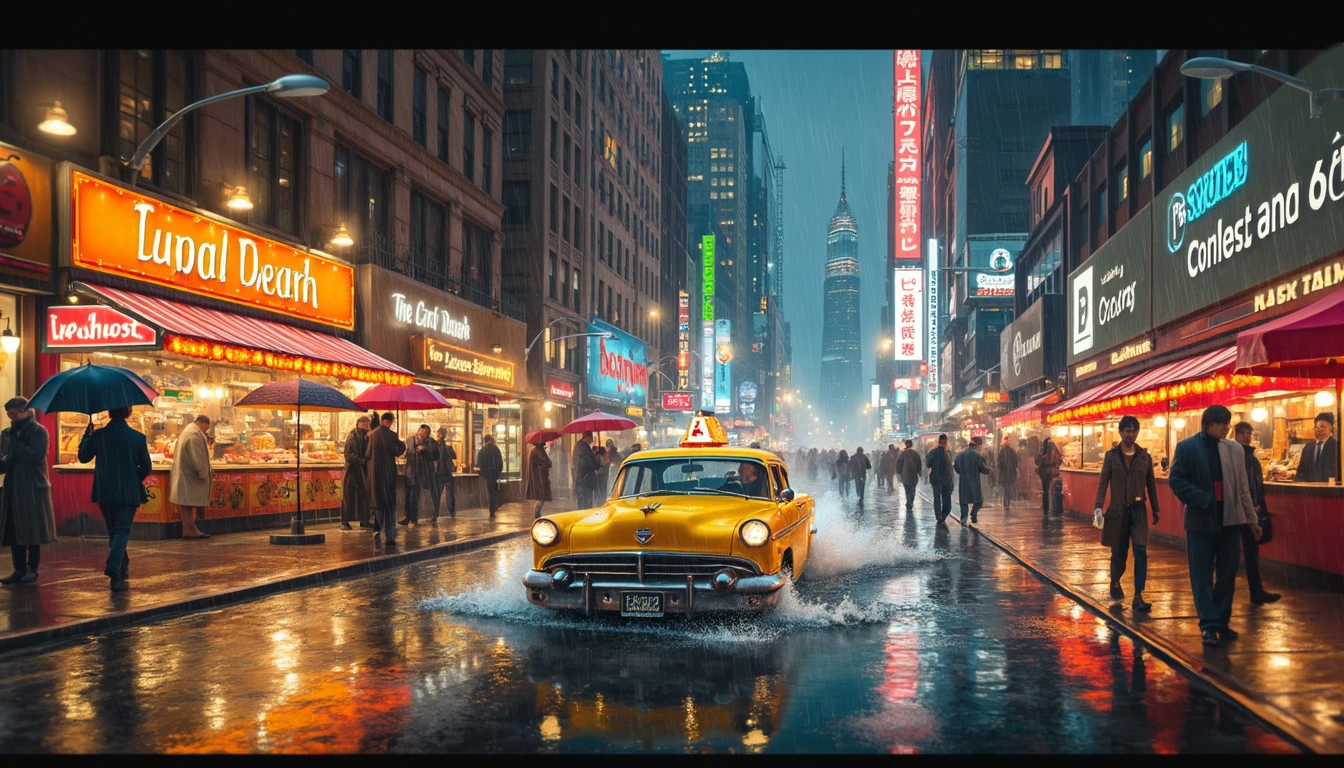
{"points": [[707, 248]]}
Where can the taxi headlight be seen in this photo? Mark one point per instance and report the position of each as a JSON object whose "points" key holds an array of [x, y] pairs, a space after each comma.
{"points": [[545, 533], [755, 533]]}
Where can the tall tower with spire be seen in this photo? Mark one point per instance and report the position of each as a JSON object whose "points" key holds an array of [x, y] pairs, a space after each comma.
{"points": [[841, 363]]}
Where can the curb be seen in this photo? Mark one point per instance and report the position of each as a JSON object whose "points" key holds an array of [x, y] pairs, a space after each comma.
{"points": [[353, 570], [1284, 724]]}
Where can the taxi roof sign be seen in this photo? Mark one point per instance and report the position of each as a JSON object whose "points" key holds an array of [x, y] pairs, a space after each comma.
{"points": [[705, 431]]}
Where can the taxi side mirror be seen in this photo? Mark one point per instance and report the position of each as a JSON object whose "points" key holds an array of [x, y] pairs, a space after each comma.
{"points": [[787, 494]]}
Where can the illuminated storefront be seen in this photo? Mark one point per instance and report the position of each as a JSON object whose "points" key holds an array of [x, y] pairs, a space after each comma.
{"points": [[27, 229]]}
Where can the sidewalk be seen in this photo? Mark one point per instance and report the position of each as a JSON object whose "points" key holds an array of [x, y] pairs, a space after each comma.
{"points": [[1288, 665], [177, 576]]}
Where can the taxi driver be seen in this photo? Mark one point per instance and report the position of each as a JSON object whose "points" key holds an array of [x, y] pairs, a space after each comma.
{"points": [[749, 474]]}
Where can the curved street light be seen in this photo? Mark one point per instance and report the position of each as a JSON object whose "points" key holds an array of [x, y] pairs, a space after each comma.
{"points": [[287, 87], [1212, 68]]}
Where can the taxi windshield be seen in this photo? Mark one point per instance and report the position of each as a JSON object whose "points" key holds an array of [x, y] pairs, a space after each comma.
{"points": [[699, 475]]}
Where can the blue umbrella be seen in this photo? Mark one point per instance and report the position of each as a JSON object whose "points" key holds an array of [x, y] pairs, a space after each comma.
{"points": [[92, 389]]}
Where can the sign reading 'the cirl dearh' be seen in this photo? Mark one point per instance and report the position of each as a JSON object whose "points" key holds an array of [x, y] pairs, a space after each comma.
{"points": [[126, 233], [461, 364]]}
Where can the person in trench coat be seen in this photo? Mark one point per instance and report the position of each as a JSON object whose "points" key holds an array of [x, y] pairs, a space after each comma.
{"points": [[970, 464], [1127, 473], [27, 520], [191, 476], [538, 477], [355, 486], [380, 464]]}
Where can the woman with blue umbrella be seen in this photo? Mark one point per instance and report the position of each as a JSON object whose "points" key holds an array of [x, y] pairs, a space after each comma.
{"points": [[27, 520]]}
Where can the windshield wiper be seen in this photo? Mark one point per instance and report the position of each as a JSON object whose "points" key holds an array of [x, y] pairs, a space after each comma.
{"points": [[725, 493], [668, 492]]}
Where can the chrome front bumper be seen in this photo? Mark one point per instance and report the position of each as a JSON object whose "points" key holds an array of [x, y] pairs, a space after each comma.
{"points": [[696, 594]]}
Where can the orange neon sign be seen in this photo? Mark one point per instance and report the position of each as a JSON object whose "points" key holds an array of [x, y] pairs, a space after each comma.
{"points": [[125, 233]]}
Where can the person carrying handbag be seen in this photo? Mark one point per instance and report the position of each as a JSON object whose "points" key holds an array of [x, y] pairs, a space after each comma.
{"points": [[1127, 472]]}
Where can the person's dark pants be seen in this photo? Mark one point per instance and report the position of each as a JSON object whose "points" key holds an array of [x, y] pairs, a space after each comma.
{"points": [[491, 486], [974, 511], [844, 486], [1251, 548], [412, 503], [385, 522], [1009, 492], [449, 484], [118, 518], [1045, 494], [910, 496], [1120, 552], [26, 558], [942, 501], [1216, 554], [859, 483]]}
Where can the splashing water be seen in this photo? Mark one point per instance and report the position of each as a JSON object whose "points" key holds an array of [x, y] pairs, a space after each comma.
{"points": [[844, 545]]}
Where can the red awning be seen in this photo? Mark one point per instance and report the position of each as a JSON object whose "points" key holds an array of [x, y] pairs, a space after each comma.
{"points": [[1307, 343], [262, 335], [1191, 369], [1033, 411], [468, 396]]}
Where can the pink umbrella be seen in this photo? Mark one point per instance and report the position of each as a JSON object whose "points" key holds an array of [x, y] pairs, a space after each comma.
{"points": [[597, 421], [411, 397]]}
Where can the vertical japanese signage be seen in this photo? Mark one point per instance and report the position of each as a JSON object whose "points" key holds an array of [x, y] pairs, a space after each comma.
{"points": [[933, 403], [908, 156], [707, 323], [683, 340], [910, 309]]}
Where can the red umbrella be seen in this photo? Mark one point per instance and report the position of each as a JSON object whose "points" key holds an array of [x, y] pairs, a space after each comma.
{"points": [[468, 396], [411, 397], [597, 421], [541, 436]]}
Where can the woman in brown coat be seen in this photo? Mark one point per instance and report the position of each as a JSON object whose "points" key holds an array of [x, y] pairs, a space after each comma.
{"points": [[539, 477], [1127, 472]]}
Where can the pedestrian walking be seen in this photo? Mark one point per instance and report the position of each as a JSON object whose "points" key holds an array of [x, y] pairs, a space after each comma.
{"points": [[1007, 472], [812, 465], [123, 463], [380, 463], [840, 473], [354, 486], [858, 470], [490, 464], [1319, 462], [970, 464], [1250, 544], [27, 519], [1208, 475], [884, 467], [909, 467], [190, 479], [1047, 467], [583, 468], [1127, 473], [422, 458], [444, 477], [939, 462], [538, 477]]}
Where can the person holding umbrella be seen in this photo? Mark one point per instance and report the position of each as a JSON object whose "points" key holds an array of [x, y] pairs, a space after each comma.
{"points": [[490, 464], [380, 461], [583, 466], [122, 454], [27, 520], [538, 476]]}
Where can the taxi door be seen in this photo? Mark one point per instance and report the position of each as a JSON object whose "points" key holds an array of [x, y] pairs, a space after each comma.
{"points": [[794, 516]]}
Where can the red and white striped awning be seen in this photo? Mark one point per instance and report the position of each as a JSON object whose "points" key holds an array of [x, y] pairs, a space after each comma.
{"points": [[1032, 412], [264, 336], [1178, 372]]}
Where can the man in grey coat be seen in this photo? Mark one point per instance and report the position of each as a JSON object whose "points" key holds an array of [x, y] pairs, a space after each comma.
{"points": [[422, 456], [27, 520], [490, 464], [118, 485], [970, 464]]}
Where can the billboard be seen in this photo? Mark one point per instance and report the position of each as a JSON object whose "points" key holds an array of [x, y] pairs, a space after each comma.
{"points": [[908, 154], [1021, 349], [933, 403], [722, 357], [993, 262], [707, 278], [747, 392], [909, 314], [679, 401], [683, 340], [707, 366], [1111, 294], [617, 367], [1261, 204]]}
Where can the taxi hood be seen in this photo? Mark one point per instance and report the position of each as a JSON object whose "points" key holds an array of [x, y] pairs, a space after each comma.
{"points": [[699, 523]]}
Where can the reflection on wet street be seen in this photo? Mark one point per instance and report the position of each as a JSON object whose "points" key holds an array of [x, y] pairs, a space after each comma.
{"points": [[900, 638]]}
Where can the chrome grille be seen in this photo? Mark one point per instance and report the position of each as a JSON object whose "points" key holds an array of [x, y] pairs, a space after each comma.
{"points": [[656, 565]]}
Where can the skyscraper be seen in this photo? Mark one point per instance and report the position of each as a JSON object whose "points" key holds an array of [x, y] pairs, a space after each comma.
{"points": [[841, 366]]}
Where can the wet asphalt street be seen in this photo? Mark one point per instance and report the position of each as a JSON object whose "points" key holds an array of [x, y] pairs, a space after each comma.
{"points": [[900, 638]]}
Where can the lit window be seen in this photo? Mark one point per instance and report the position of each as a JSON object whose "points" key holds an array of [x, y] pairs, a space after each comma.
{"points": [[1210, 95], [1175, 127], [1146, 159], [713, 195]]}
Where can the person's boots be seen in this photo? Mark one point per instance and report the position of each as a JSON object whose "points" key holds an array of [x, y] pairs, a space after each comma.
{"points": [[1140, 604], [1116, 592], [13, 578]]}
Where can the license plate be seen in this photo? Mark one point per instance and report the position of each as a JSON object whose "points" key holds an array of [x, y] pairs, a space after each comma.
{"points": [[649, 604]]}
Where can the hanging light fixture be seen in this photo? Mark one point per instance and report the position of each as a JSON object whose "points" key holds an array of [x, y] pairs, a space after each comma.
{"points": [[1325, 399], [1179, 423], [1259, 414], [239, 201], [57, 122], [342, 237], [8, 341], [1160, 422]]}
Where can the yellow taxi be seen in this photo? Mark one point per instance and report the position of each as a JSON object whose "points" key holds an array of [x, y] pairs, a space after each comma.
{"points": [[695, 529]]}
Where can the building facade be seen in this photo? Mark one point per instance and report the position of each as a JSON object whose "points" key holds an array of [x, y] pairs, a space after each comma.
{"points": [[1105, 81], [680, 272], [841, 334]]}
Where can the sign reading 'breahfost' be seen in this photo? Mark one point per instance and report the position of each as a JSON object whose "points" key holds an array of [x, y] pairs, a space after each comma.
{"points": [[463, 364], [124, 232]]}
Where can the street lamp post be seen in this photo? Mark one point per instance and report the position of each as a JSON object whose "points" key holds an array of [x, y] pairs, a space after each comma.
{"points": [[287, 87], [1211, 68], [604, 334]]}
